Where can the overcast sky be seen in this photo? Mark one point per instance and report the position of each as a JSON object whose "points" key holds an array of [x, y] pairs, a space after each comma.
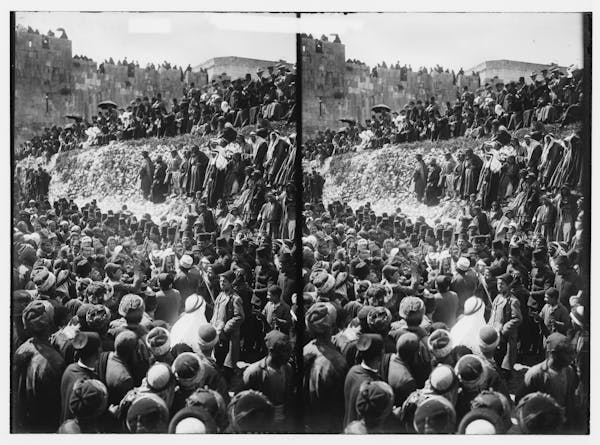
{"points": [[453, 40], [456, 39], [179, 38]]}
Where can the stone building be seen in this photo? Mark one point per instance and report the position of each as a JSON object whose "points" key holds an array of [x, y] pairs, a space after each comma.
{"points": [[50, 83], [494, 71], [236, 67]]}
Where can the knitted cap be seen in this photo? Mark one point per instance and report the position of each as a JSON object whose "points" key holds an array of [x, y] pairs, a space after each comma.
{"points": [[88, 399], [375, 400]]}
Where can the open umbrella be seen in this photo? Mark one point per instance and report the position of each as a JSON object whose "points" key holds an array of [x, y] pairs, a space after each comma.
{"points": [[348, 121], [380, 108], [75, 117], [107, 104]]}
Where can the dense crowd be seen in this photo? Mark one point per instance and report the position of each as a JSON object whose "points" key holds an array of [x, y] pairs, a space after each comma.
{"points": [[202, 110], [551, 97], [123, 324], [417, 327], [427, 327]]}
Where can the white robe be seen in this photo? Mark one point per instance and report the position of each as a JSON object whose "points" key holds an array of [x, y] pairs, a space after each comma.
{"points": [[185, 330], [466, 330]]}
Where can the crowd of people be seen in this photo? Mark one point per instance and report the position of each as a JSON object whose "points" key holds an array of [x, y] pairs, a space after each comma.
{"points": [[232, 167], [202, 110], [417, 327], [123, 324], [534, 179], [478, 325], [551, 97]]}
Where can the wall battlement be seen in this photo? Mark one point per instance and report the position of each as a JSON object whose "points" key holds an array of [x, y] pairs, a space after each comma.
{"points": [[50, 83], [334, 88]]}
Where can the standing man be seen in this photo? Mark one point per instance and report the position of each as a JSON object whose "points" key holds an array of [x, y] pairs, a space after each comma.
{"points": [[174, 171], [227, 318], [370, 347], [146, 174], [420, 177], [506, 317]]}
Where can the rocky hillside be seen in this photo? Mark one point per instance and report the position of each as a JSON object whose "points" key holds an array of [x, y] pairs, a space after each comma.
{"points": [[110, 174], [383, 177]]}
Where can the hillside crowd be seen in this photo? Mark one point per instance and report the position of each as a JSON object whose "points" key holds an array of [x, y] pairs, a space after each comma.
{"points": [[202, 110], [551, 97]]}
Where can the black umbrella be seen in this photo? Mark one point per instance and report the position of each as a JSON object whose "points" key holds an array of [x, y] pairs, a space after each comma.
{"points": [[107, 104], [348, 121], [380, 108], [75, 117]]}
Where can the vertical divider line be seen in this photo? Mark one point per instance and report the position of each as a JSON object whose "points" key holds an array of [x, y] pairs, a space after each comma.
{"points": [[298, 179]]}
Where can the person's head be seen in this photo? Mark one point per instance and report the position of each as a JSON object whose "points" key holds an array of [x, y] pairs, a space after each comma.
{"points": [[165, 281], [131, 308], [226, 280], [87, 346], [279, 347], [539, 413], [412, 309], [442, 283], [125, 345], [503, 283], [113, 271], [551, 296], [435, 415], [558, 350], [407, 346], [148, 413], [374, 402], [249, 411], [320, 318], [370, 348], [88, 399], [274, 294]]}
